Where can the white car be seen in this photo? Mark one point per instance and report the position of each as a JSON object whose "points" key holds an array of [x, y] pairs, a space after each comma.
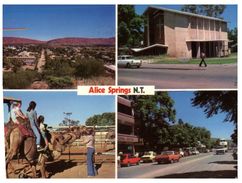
{"points": [[128, 61], [148, 157], [195, 152]]}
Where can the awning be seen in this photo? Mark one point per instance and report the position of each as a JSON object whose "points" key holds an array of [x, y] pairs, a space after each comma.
{"points": [[149, 47]]}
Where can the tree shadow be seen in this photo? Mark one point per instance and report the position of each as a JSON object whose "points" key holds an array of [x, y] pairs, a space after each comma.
{"points": [[224, 162], [59, 166], [204, 174]]}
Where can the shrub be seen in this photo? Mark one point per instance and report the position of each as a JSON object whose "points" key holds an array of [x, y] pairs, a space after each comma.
{"points": [[89, 68], [20, 79], [59, 82]]}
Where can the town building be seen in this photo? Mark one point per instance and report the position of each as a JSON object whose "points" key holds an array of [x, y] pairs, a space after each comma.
{"points": [[128, 139], [183, 35]]}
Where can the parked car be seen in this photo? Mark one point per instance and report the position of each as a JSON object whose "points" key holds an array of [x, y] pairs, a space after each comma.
{"points": [[206, 151], [167, 157], [195, 152], [181, 152], [220, 151], [148, 157], [187, 152], [128, 61], [129, 159]]}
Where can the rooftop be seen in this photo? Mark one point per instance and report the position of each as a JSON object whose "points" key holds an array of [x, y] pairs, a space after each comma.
{"points": [[183, 13]]}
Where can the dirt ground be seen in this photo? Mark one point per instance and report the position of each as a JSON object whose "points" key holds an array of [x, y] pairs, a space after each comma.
{"points": [[102, 80], [76, 166]]}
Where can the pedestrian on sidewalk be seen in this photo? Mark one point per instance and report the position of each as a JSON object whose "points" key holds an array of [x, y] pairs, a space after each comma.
{"points": [[203, 56]]}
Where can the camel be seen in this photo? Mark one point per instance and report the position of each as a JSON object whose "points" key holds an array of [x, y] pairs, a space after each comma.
{"points": [[109, 138], [28, 147]]}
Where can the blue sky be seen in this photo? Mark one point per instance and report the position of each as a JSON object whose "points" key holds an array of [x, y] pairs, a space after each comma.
{"points": [[53, 104], [230, 13], [196, 116], [45, 22]]}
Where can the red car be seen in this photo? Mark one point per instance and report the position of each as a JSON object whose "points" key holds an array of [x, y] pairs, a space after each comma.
{"points": [[167, 157], [129, 159]]}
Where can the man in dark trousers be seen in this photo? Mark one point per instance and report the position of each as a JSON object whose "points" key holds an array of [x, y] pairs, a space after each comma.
{"points": [[203, 56]]}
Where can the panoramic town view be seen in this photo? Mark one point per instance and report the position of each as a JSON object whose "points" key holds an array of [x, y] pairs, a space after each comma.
{"points": [[46, 52], [178, 135], [178, 46], [66, 154]]}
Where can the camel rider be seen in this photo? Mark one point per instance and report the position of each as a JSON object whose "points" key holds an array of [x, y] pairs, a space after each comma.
{"points": [[16, 114], [17, 118], [32, 115], [43, 130]]}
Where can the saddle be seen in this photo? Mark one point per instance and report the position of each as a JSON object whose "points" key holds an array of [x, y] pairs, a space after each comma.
{"points": [[24, 129]]}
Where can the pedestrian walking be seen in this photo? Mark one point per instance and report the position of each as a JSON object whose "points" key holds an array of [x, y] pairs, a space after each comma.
{"points": [[203, 56]]}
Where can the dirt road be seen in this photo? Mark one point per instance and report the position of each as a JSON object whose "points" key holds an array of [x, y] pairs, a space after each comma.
{"points": [[41, 61]]}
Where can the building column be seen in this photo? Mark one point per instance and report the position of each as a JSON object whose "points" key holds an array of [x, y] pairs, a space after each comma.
{"points": [[197, 28], [204, 36], [210, 49], [219, 49], [198, 49], [148, 31], [209, 29], [215, 48]]}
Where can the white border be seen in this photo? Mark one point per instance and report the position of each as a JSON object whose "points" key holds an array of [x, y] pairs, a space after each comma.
{"points": [[2, 159]]}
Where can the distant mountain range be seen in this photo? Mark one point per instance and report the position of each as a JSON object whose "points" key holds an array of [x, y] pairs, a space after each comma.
{"points": [[61, 41]]}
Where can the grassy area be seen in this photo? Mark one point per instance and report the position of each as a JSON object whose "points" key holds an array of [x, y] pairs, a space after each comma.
{"points": [[164, 59]]}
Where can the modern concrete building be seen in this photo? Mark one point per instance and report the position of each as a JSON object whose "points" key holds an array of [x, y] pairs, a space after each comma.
{"points": [[182, 34], [127, 137]]}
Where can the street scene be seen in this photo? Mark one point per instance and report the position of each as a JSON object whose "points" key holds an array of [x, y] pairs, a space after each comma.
{"points": [[178, 46], [180, 76], [176, 135], [197, 166], [46, 139], [46, 52]]}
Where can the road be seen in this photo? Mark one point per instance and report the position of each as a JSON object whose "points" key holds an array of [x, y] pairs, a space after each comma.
{"points": [[180, 76], [41, 61], [206, 165]]}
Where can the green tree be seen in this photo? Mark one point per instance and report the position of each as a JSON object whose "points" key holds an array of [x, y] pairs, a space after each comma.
{"points": [[190, 8], [58, 67], [89, 68], [19, 79], [130, 26], [187, 135], [208, 10], [17, 64], [214, 102], [155, 113], [232, 35], [104, 119], [69, 122], [59, 82]]}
